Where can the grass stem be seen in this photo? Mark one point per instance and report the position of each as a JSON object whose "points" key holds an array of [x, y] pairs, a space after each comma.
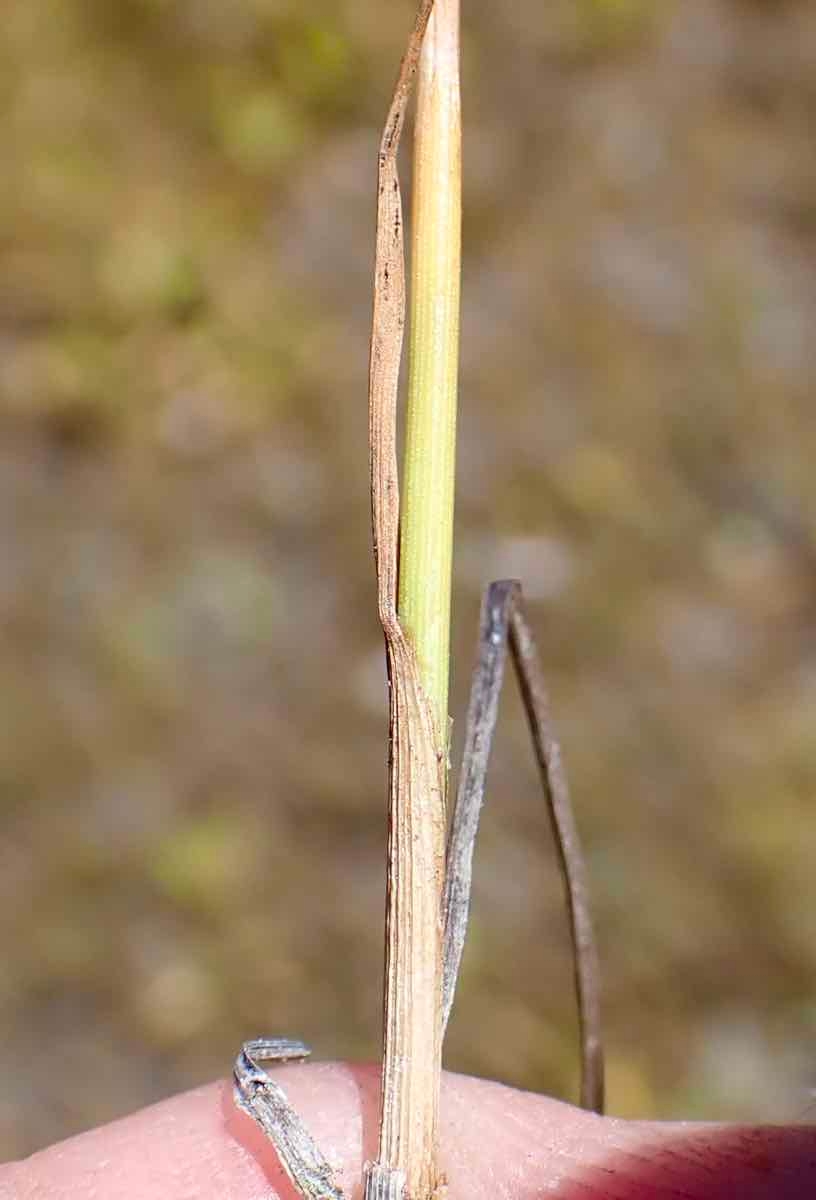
{"points": [[426, 528]]}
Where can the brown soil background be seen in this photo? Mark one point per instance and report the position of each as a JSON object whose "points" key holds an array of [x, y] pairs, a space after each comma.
{"points": [[193, 735]]}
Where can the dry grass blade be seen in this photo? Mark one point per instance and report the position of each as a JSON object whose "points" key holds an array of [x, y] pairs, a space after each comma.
{"points": [[504, 623]]}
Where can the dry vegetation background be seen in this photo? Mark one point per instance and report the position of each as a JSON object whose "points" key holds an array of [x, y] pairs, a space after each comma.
{"points": [[193, 709]]}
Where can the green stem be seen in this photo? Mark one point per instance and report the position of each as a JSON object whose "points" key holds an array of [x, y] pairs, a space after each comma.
{"points": [[426, 534]]}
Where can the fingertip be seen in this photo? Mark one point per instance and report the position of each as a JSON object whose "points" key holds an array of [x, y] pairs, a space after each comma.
{"points": [[495, 1142]]}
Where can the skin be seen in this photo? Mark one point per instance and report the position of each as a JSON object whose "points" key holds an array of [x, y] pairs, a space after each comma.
{"points": [[496, 1143]]}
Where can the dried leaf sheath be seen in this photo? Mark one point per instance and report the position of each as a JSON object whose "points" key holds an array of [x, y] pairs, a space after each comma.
{"points": [[416, 853]]}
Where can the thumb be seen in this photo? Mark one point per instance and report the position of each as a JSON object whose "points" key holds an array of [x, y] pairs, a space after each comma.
{"points": [[496, 1143]]}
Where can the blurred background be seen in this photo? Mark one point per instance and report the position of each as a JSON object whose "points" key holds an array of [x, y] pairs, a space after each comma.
{"points": [[192, 745]]}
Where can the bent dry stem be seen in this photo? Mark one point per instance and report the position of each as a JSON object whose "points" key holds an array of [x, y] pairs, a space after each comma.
{"points": [[265, 1101]]}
